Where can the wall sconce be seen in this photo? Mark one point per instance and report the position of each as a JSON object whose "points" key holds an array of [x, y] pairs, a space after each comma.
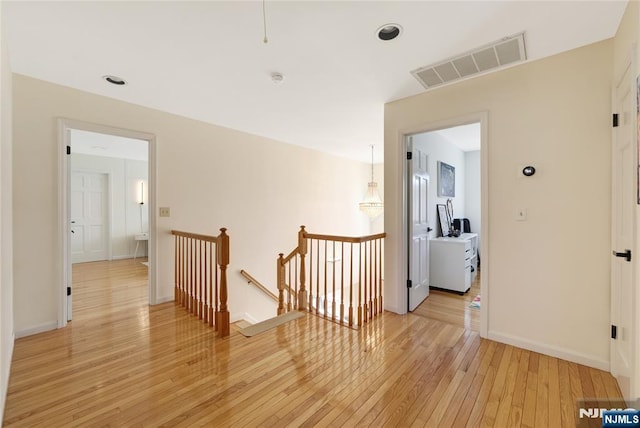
{"points": [[141, 195]]}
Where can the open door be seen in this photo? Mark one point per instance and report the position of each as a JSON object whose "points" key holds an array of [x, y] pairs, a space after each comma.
{"points": [[418, 269], [623, 201]]}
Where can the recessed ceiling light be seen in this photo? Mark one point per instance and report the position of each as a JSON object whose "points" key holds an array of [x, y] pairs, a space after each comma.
{"points": [[389, 32], [115, 80]]}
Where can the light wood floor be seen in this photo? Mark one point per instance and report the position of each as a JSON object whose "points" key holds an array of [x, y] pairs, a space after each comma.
{"points": [[452, 308], [134, 365]]}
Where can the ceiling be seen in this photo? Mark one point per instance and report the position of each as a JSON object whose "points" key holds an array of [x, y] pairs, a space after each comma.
{"points": [[465, 137], [207, 60], [92, 143]]}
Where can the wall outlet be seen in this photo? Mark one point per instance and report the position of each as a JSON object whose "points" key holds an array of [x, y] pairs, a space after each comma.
{"points": [[165, 212], [521, 214]]}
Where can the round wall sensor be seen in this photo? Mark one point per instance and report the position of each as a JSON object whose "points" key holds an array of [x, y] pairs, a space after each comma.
{"points": [[528, 171]]}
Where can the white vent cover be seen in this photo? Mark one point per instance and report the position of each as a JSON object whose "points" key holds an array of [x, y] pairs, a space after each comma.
{"points": [[491, 57]]}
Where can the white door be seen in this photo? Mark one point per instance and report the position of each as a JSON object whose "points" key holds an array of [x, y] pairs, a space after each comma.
{"points": [[622, 292], [418, 227], [89, 217]]}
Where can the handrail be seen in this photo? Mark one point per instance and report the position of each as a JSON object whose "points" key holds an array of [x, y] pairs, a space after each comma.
{"points": [[206, 238], [352, 239], [337, 277], [252, 280], [291, 255]]}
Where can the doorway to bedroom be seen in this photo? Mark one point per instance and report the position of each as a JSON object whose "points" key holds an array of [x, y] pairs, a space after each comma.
{"points": [[106, 225], [444, 212]]}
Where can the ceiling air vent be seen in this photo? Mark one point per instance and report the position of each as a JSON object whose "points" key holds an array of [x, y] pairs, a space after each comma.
{"points": [[491, 57]]}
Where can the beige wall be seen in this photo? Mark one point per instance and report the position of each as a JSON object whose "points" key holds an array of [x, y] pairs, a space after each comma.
{"points": [[210, 177], [6, 250], [548, 284]]}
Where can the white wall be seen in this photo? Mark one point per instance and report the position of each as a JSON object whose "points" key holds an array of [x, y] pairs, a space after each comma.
{"points": [[472, 190], [441, 149], [211, 177], [125, 176], [6, 233], [548, 284]]}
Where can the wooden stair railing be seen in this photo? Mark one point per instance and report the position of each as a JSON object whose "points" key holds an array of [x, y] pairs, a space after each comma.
{"points": [[252, 280], [336, 277], [201, 277]]}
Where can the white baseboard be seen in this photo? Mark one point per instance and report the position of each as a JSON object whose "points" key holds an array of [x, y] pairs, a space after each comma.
{"points": [[5, 379], [550, 350], [37, 329], [242, 316], [395, 310], [160, 300], [128, 257]]}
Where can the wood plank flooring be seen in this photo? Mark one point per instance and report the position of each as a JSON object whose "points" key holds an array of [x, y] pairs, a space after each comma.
{"points": [[452, 308], [132, 365]]}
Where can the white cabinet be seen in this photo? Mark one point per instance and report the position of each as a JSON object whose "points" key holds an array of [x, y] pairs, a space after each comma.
{"points": [[453, 262]]}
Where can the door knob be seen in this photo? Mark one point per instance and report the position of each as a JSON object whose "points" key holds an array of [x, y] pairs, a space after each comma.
{"points": [[73, 222], [626, 255]]}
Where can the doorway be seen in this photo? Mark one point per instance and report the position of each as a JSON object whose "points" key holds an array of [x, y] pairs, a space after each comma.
{"points": [[106, 185], [467, 165]]}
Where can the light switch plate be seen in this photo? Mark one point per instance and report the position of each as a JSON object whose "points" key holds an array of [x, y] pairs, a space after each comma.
{"points": [[165, 212]]}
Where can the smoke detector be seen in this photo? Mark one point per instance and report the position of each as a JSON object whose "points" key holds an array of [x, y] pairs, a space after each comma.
{"points": [[277, 78], [115, 80]]}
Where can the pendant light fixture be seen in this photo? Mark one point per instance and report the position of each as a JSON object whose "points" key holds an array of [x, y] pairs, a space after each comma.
{"points": [[372, 204]]}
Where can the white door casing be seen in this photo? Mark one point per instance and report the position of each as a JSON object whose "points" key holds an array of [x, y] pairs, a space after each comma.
{"points": [[419, 226], [89, 217], [64, 210], [622, 233]]}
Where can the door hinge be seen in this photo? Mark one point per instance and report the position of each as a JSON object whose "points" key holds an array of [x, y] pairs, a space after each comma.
{"points": [[626, 255], [409, 283], [615, 120], [68, 150], [614, 331], [68, 291], [409, 155]]}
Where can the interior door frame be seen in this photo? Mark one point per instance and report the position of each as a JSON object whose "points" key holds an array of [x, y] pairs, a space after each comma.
{"points": [[64, 205], [483, 119], [109, 203], [634, 383]]}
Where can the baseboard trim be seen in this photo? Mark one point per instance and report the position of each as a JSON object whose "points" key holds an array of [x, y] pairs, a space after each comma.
{"points": [[242, 316], [552, 351], [128, 257], [395, 310], [37, 329], [5, 379], [160, 300]]}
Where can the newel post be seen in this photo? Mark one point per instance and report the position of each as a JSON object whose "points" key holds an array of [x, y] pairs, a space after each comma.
{"points": [[280, 271], [302, 250], [222, 316]]}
